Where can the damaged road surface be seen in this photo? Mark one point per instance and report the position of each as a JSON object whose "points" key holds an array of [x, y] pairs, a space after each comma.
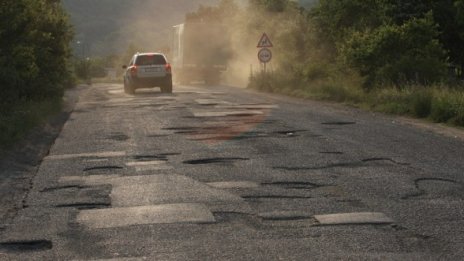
{"points": [[222, 173]]}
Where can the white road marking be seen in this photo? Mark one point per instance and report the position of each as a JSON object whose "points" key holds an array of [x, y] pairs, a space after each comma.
{"points": [[158, 214], [105, 154], [353, 218]]}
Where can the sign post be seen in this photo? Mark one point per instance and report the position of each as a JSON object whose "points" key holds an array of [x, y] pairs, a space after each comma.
{"points": [[264, 54]]}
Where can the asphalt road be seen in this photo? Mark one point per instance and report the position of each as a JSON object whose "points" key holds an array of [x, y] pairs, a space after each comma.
{"points": [[222, 173]]}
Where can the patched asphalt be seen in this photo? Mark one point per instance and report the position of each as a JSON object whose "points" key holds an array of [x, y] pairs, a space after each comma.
{"points": [[223, 173]]}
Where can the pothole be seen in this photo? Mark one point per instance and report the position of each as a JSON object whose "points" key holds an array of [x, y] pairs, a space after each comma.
{"points": [[214, 160], [289, 133], [354, 164], [83, 206], [158, 135], [435, 188], [109, 167], [150, 157], [293, 184], [331, 152], [339, 123], [186, 132], [384, 159], [76, 187], [251, 197], [26, 246]]}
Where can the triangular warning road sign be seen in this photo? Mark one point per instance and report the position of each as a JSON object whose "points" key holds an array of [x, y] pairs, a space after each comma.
{"points": [[264, 42]]}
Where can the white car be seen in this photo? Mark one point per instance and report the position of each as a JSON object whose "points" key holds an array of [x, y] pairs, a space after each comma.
{"points": [[147, 70]]}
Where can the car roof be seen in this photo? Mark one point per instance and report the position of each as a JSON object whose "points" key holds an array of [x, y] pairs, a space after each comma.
{"points": [[149, 54]]}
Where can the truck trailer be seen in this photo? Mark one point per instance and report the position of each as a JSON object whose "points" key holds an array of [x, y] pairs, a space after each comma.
{"points": [[199, 52]]}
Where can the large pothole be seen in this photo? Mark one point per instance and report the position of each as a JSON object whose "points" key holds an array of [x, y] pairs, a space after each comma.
{"points": [[437, 188], [26, 246]]}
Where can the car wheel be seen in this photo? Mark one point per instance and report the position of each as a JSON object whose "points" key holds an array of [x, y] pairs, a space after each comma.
{"points": [[167, 88], [128, 88]]}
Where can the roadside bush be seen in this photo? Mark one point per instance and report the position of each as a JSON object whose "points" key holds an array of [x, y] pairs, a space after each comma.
{"points": [[34, 50], [397, 55], [442, 110], [447, 106], [390, 100], [34, 64], [421, 103], [16, 119]]}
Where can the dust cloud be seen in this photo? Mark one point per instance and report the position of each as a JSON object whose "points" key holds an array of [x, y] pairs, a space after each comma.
{"points": [[151, 28]]}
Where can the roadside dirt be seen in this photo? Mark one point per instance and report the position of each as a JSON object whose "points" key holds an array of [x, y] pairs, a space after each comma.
{"points": [[448, 131], [19, 164]]}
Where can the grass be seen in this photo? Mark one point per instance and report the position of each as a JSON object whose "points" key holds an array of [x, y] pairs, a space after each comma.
{"points": [[436, 103], [17, 119]]}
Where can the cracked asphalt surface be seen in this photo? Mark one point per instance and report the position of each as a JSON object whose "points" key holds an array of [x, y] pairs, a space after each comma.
{"points": [[222, 173]]}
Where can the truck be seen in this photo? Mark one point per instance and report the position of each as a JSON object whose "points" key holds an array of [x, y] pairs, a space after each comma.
{"points": [[199, 52]]}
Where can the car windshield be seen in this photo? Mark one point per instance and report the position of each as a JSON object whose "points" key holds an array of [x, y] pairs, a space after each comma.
{"points": [[150, 60]]}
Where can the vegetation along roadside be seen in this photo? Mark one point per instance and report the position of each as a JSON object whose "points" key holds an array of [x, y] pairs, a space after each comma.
{"points": [[35, 65], [401, 57]]}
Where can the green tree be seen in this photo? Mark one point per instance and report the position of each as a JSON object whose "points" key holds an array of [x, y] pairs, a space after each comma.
{"points": [[335, 19], [449, 16], [398, 54], [34, 49]]}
